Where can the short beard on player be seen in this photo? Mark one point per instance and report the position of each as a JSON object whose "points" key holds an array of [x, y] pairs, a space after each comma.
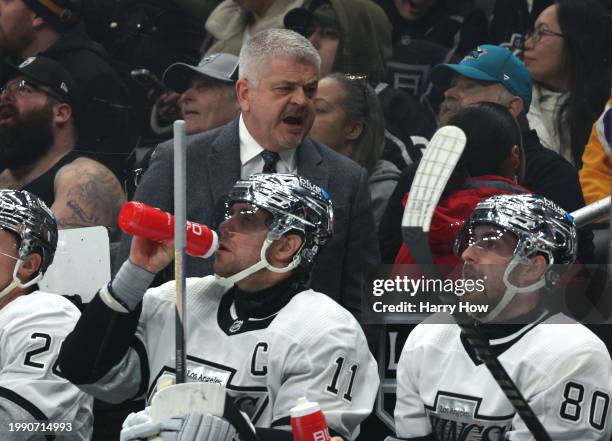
{"points": [[27, 139]]}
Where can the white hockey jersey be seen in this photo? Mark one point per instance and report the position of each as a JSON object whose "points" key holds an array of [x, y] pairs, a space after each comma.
{"points": [[32, 329], [312, 347], [561, 368]]}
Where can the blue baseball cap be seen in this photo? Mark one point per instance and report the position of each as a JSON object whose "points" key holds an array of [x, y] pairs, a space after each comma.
{"points": [[489, 63]]}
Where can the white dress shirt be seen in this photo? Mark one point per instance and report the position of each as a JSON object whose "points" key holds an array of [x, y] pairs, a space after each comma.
{"points": [[250, 155]]}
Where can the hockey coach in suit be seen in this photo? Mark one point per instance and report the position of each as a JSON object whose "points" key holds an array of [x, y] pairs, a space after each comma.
{"points": [[278, 77]]}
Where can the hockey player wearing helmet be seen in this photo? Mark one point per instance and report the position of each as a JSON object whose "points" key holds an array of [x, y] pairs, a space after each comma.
{"points": [[34, 323], [519, 245], [28, 233], [297, 215], [529, 237], [249, 326]]}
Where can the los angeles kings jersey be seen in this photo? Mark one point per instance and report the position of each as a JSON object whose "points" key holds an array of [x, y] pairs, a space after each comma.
{"points": [[561, 368], [32, 329], [312, 347]]}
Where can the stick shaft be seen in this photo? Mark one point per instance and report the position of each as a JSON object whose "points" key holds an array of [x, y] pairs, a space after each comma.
{"points": [[592, 212], [180, 228]]}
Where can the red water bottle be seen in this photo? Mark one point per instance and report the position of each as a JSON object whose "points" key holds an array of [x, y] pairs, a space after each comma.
{"points": [[308, 422], [142, 220]]}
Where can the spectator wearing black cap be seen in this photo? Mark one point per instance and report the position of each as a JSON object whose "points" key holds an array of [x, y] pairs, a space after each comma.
{"points": [[37, 139], [52, 28], [206, 93]]}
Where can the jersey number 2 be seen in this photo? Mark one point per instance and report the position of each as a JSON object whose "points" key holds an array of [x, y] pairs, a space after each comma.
{"points": [[28, 361], [29, 356]]}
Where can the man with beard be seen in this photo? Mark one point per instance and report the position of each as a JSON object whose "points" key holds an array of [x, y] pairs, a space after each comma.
{"points": [[277, 85], [37, 137], [517, 247], [53, 29]]}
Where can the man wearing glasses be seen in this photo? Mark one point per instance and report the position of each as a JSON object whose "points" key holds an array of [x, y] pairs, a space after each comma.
{"points": [[38, 112], [55, 29]]}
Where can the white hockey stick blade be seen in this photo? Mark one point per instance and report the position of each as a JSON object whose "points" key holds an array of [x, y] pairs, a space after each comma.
{"points": [[180, 399], [436, 166]]}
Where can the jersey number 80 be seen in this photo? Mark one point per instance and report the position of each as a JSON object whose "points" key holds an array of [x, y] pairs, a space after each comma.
{"points": [[571, 407]]}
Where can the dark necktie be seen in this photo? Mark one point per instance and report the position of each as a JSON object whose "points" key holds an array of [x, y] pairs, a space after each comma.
{"points": [[270, 160]]}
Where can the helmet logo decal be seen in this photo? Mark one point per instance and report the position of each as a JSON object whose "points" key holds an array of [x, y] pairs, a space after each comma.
{"points": [[310, 186]]}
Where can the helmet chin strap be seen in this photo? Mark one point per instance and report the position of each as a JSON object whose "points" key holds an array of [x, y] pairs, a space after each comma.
{"points": [[16, 283], [263, 263], [511, 291]]}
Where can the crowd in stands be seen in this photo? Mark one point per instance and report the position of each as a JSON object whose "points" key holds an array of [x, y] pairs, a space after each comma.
{"points": [[344, 93]]}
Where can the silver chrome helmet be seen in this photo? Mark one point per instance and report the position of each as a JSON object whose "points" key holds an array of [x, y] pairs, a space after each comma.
{"points": [[29, 218], [296, 205], [539, 225]]}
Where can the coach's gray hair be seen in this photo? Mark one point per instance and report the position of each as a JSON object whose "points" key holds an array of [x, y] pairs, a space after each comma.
{"points": [[274, 43]]}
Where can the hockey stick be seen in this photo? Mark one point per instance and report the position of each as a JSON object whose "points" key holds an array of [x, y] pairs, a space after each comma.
{"points": [[592, 212], [434, 171], [180, 228], [231, 411]]}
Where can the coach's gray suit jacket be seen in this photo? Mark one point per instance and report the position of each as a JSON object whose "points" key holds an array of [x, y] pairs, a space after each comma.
{"points": [[213, 166]]}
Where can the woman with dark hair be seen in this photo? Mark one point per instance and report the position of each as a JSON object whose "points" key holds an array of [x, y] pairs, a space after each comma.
{"points": [[569, 58], [349, 119], [492, 163]]}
